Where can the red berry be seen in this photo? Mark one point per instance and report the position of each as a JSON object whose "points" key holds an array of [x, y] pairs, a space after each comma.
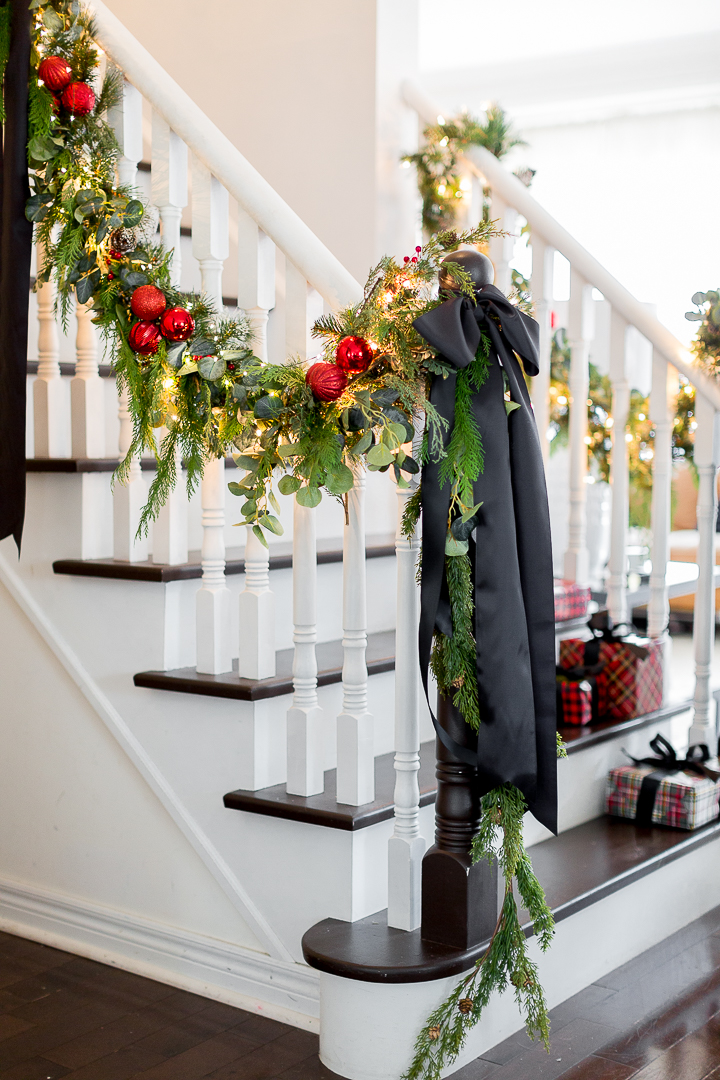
{"points": [[418, 249], [414, 259], [326, 381], [78, 98], [406, 259], [231, 367], [111, 277], [55, 73], [354, 355], [116, 255], [148, 302]]}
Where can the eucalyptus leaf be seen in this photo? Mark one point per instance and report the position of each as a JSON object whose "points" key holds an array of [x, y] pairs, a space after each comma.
{"points": [[356, 419], [471, 512], [288, 450], [308, 496], [385, 396], [340, 481], [260, 535], [398, 431], [234, 354], [240, 394], [691, 316], [211, 367], [244, 461], [43, 148], [249, 508], [268, 407], [132, 214], [364, 443], [121, 316], [271, 523], [102, 231], [52, 20], [462, 530], [273, 501], [715, 316], [288, 484], [698, 298], [410, 465], [175, 353], [201, 346], [510, 406], [455, 547], [133, 278], [86, 287], [188, 368], [235, 489], [379, 455]]}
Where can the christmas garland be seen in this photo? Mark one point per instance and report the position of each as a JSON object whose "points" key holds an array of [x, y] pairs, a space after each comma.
{"points": [[192, 374], [439, 176]]}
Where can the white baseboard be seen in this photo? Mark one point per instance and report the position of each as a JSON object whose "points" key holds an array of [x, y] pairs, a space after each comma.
{"points": [[214, 969]]}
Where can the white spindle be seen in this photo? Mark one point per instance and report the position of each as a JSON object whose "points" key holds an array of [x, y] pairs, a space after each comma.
{"points": [[502, 247], [617, 566], [87, 393], [256, 659], [406, 846], [707, 458], [576, 563], [213, 597], [169, 187], [305, 750], [303, 305], [256, 279], [662, 401], [51, 405], [170, 531], [210, 243], [542, 291], [128, 498], [355, 748]]}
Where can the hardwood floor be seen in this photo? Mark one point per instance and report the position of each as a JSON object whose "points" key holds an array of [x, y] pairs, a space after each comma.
{"points": [[61, 1016]]}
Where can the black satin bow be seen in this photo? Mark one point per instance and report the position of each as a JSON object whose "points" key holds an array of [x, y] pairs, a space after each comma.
{"points": [[510, 552], [666, 759]]}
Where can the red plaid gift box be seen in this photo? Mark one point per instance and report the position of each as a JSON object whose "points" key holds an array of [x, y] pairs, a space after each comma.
{"points": [[571, 600], [574, 701], [681, 799], [631, 682]]}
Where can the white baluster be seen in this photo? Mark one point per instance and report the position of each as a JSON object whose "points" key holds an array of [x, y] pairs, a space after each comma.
{"points": [[502, 247], [576, 562], [210, 248], [355, 746], [707, 458], [169, 194], [87, 393], [128, 498], [213, 597], [305, 721], [51, 405], [303, 305], [256, 279], [620, 491], [541, 286], [169, 187], [257, 614], [662, 401], [406, 846]]}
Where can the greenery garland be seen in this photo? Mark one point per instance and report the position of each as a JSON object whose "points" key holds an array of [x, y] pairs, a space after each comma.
{"points": [[209, 394]]}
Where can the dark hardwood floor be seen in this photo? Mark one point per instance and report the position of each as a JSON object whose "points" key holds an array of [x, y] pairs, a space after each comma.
{"points": [[656, 1018]]}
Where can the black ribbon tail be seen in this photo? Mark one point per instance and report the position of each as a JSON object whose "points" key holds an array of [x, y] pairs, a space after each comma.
{"points": [[646, 798]]}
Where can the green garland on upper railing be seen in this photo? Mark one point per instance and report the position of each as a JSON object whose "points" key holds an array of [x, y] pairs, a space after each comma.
{"points": [[193, 373]]}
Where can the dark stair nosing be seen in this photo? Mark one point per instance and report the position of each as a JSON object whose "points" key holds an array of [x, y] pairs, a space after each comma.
{"points": [[104, 370], [280, 559], [88, 465], [324, 810], [578, 868]]}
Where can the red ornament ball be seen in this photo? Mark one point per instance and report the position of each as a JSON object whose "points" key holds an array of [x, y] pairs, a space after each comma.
{"points": [[326, 381], [79, 99], [148, 302], [55, 73], [354, 355], [111, 277], [177, 324], [144, 338]]}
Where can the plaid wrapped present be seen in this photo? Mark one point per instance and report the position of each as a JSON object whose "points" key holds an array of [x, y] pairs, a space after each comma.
{"points": [[571, 600], [577, 697], [664, 790], [632, 671]]}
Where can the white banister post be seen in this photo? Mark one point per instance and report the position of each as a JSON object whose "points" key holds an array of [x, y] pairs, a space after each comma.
{"points": [[703, 729], [620, 481], [51, 404], [576, 562], [541, 286], [169, 195], [305, 727], [501, 247], [406, 846], [256, 296], [355, 743], [210, 248], [303, 305], [662, 394], [87, 394], [128, 498]]}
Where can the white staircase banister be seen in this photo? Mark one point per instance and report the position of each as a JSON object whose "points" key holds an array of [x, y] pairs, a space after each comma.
{"points": [[514, 192], [319, 266]]}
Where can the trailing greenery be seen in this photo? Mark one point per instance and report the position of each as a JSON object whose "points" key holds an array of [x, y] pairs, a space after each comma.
{"points": [[506, 962], [706, 346], [439, 173]]}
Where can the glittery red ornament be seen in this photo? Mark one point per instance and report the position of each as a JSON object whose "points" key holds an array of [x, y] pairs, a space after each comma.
{"points": [[326, 381], [55, 72], [79, 99], [354, 355], [177, 324], [144, 338], [148, 302]]}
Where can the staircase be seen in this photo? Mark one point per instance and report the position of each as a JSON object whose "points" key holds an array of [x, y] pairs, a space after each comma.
{"points": [[220, 772]]}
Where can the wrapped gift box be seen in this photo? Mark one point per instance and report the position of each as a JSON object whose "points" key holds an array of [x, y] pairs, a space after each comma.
{"points": [[632, 672], [571, 600], [575, 700], [651, 796]]}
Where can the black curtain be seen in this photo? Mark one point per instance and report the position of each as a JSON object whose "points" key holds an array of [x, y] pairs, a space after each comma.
{"points": [[15, 250]]}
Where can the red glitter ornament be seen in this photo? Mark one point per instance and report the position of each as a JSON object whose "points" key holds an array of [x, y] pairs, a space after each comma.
{"points": [[148, 302], [144, 338], [326, 381], [55, 73], [177, 324], [79, 99], [354, 355]]}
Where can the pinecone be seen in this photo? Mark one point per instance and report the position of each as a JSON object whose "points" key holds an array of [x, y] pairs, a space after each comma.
{"points": [[465, 1005], [122, 240], [434, 1033]]}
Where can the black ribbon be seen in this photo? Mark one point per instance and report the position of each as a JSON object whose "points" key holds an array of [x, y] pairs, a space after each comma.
{"points": [[15, 252], [511, 553], [666, 761], [620, 634]]}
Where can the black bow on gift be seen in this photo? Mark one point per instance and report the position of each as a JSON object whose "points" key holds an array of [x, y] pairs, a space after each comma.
{"points": [[666, 761], [620, 634]]}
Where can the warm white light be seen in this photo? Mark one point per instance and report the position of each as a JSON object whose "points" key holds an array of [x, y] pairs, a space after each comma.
{"points": [[441, 189], [641, 416], [168, 382], [441, 120], [588, 440], [562, 400], [609, 422], [628, 437], [444, 142], [406, 164], [465, 184]]}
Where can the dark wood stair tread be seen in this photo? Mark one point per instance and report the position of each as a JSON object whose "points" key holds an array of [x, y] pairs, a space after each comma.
{"points": [[577, 868], [328, 551], [324, 810]]}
